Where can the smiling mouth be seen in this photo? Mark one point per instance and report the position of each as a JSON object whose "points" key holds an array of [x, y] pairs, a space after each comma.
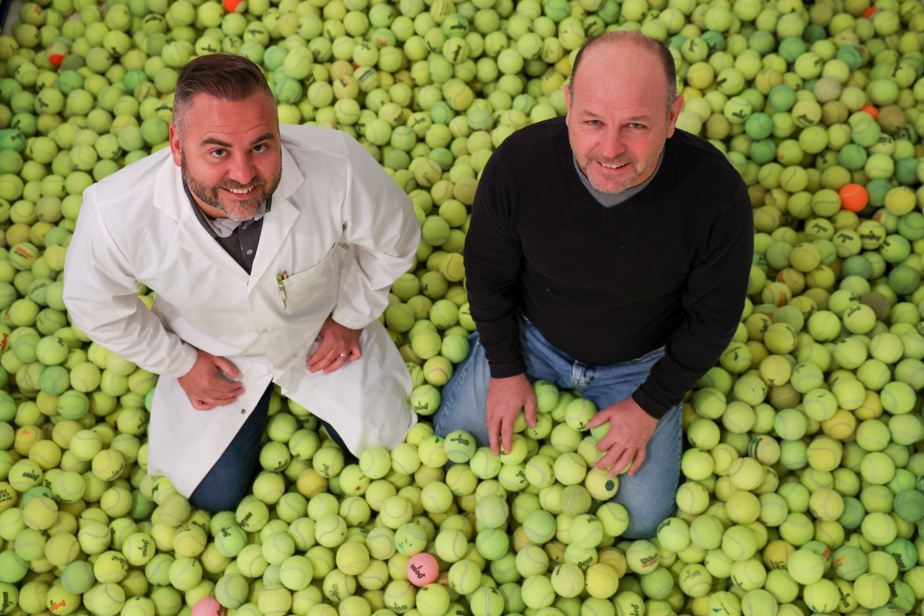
{"points": [[240, 191], [613, 166]]}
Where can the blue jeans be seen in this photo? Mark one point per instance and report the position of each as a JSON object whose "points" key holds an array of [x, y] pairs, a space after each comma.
{"points": [[231, 479], [649, 494]]}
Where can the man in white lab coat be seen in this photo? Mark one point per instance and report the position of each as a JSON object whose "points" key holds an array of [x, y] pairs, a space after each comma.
{"points": [[271, 251]]}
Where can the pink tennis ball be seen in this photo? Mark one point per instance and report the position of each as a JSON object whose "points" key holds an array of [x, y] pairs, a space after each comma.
{"points": [[422, 569], [208, 606]]}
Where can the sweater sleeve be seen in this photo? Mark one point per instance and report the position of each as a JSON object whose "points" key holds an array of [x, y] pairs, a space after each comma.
{"points": [[493, 258], [713, 301]]}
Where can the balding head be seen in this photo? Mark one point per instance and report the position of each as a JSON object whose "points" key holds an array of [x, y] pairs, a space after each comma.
{"points": [[626, 39]]}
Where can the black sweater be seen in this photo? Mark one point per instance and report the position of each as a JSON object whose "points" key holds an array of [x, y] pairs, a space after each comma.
{"points": [[669, 266]]}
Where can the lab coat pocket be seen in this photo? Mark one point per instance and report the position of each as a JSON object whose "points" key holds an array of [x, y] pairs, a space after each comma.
{"points": [[300, 290]]}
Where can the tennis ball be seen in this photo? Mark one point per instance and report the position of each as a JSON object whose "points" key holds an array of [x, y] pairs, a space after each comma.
{"points": [[871, 591], [77, 577], [451, 545], [208, 606], [422, 569], [459, 446], [642, 557], [586, 531]]}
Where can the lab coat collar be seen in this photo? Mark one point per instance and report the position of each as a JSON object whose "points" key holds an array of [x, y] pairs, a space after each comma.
{"points": [[170, 198]]}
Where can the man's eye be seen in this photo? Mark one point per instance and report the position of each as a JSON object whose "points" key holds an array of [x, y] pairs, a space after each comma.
{"points": [[594, 122], [636, 125], [219, 153], [260, 148]]}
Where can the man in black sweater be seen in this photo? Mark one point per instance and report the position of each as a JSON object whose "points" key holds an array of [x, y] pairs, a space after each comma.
{"points": [[608, 252]]}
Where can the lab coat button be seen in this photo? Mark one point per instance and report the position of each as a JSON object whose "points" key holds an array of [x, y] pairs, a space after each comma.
{"points": [[243, 411], [265, 330]]}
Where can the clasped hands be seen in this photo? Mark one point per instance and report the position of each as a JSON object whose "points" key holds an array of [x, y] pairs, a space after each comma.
{"points": [[624, 443], [212, 381]]}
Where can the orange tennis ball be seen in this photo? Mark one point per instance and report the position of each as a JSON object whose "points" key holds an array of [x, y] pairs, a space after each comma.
{"points": [[871, 110], [853, 197], [56, 58], [231, 5]]}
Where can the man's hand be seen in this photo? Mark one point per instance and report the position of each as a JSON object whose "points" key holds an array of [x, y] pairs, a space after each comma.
{"points": [[505, 399], [203, 385], [625, 441], [339, 345]]}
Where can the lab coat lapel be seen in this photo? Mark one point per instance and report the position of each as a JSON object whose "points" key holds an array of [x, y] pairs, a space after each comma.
{"points": [[190, 235], [278, 221]]}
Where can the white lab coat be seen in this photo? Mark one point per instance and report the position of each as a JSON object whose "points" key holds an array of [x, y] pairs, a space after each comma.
{"points": [[341, 229]]}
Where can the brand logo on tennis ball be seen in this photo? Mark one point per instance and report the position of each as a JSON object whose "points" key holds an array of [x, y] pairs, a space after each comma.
{"points": [[22, 251], [55, 605], [646, 561], [417, 572], [460, 439], [31, 475]]}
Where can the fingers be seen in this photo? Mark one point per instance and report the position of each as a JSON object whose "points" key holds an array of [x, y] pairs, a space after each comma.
{"points": [[507, 431], [639, 458], [228, 367], [529, 410], [494, 435], [331, 356]]}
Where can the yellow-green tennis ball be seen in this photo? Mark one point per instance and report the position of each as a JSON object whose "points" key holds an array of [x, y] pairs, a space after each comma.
{"points": [[849, 562], [58, 600], [567, 580], [77, 577], [805, 566], [107, 599], [330, 530], [706, 532], [877, 468], [138, 606], [40, 513], [451, 545], [400, 596], [492, 511], [600, 485], [425, 400], [111, 566], [432, 600], [185, 574], [739, 543], [459, 446], [695, 580], [642, 557], [396, 511], [274, 600], [879, 528], [871, 591], [437, 370], [464, 577], [570, 468], [746, 473], [692, 497], [539, 526], [586, 531], [432, 452], [139, 548], [352, 558]]}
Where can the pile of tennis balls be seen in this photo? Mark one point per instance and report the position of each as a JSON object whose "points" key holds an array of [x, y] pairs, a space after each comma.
{"points": [[802, 488]]}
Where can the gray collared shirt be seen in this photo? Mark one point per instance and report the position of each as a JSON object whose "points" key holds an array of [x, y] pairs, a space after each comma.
{"points": [[608, 199], [239, 238]]}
